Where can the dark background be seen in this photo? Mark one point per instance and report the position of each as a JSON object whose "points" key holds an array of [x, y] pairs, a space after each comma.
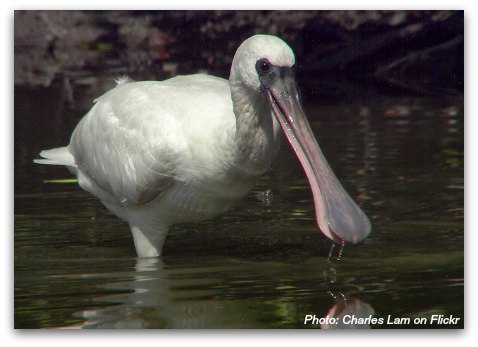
{"points": [[418, 52]]}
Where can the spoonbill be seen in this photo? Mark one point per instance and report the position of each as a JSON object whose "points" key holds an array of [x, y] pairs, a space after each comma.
{"points": [[159, 153]]}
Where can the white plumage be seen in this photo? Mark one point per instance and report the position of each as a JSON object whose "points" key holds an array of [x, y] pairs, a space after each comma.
{"points": [[185, 149]]}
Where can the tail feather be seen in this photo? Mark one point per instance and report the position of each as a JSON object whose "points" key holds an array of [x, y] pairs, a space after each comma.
{"points": [[56, 156]]}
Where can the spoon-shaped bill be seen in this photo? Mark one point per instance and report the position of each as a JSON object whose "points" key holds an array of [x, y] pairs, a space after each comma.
{"points": [[338, 216]]}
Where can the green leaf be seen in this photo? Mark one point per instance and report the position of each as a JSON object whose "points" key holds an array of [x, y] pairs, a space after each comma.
{"points": [[62, 181]]}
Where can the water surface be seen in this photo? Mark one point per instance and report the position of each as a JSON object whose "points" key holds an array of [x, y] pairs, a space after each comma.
{"points": [[264, 264]]}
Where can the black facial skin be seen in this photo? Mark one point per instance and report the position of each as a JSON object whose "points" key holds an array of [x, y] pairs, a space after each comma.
{"points": [[268, 72]]}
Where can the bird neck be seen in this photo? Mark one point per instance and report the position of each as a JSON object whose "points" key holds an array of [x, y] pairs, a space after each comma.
{"points": [[256, 139]]}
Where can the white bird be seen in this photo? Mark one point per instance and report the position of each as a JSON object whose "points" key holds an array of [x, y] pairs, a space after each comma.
{"points": [[159, 153]]}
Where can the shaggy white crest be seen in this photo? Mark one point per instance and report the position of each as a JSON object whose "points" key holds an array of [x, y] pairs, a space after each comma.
{"points": [[272, 48], [123, 79]]}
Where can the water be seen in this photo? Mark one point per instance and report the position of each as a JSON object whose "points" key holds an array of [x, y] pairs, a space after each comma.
{"points": [[264, 264]]}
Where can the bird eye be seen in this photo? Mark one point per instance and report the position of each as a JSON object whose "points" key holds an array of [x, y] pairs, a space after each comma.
{"points": [[263, 67]]}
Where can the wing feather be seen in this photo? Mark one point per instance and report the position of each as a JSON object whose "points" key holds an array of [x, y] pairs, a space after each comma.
{"points": [[137, 139]]}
